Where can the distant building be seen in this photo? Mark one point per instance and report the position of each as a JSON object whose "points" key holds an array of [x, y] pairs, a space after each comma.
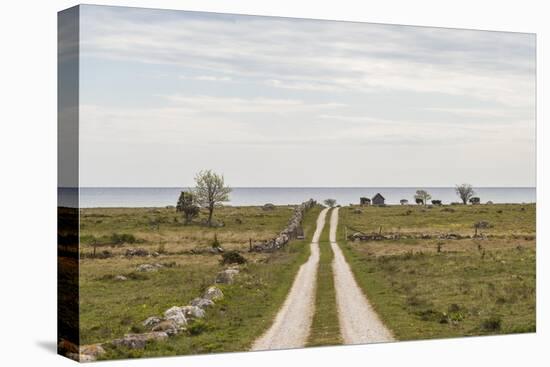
{"points": [[378, 200], [364, 201]]}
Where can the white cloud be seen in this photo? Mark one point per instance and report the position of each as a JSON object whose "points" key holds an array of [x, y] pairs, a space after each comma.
{"points": [[232, 89]]}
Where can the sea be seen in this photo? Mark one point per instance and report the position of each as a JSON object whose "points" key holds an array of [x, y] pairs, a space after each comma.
{"points": [[247, 196]]}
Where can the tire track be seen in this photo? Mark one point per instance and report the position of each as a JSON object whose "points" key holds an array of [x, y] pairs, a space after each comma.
{"points": [[359, 323], [293, 321]]}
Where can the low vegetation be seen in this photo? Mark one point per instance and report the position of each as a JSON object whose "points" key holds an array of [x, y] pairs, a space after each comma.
{"points": [[436, 288], [506, 220], [150, 228], [110, 307], [325, 329]]}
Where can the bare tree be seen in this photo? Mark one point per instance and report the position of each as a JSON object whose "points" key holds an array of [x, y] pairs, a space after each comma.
{"points": [[465, 192], [210, 191], [330, 202], [422, 195]]}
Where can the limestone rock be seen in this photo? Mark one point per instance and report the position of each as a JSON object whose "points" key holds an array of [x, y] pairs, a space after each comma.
{"points": [[202, 302], [176, 314], [146, 268], [151, 321], [193, 312], [226, 276], [131, 252], [89, 353], [120, 277], [138, 341], [213, 293], [168, 326]]}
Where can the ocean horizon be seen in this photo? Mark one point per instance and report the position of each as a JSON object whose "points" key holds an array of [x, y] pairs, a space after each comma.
{"points": [[104, 197]]}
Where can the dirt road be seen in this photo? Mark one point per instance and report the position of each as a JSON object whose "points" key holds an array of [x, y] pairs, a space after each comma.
{"points": [[293, 321], [359, 323]]}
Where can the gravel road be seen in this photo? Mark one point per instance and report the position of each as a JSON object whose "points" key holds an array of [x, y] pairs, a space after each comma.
{"points": [[359, 323], [293, 321]]}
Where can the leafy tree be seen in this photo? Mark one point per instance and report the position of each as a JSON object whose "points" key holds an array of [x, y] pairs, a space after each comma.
{"points": [[187, 204], [465, 192], [210, 191], [422, 195], [330, 202]]}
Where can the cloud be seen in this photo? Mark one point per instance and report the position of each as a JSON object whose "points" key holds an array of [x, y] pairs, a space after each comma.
{"points": [[318, 55], [169, 85]]}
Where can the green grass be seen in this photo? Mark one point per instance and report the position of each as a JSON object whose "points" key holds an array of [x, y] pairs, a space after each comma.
{"points": [[151, 227], [470, 287], [325, 328], [505, 219], [109, 309]]}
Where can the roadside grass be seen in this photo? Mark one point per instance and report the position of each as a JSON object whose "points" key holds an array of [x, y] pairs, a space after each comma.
{"points": [[504, 219], [325, 328], [110, 308], [470, 287], [150, 228]]}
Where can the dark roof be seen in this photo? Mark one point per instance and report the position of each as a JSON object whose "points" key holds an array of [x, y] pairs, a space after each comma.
{"points": [[378, 195]]}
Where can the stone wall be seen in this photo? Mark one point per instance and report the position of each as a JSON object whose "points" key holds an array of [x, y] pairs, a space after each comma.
{"points": [[290, 232]]}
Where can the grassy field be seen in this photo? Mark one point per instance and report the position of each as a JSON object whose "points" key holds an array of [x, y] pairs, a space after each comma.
{"points": [[504, 219], [111, 308], [154, 227], [447, 288], [325, 329]]}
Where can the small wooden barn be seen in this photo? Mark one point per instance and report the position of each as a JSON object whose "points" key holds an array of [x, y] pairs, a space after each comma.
{"points": [[364, 201], [378, 199]]}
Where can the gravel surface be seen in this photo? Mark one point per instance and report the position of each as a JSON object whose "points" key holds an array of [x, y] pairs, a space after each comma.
{"points": [[359, 323], [293, 321]]}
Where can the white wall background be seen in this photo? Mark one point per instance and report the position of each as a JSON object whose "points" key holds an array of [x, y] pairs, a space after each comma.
{"points": [[28, 181]]}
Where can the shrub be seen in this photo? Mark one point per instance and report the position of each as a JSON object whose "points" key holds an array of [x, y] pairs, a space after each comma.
{"points": [[121, 238], [493, 323], [268, 207], [215, 243], [233, 257], [161, 249], [198, 327]]}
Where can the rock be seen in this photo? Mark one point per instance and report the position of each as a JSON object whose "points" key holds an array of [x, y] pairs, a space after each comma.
{"points": [[268, 207], [158, 265], [84, 358], [155, 254], [226, 276], [202, 302], [213, 293], [170, 327], [193, 312], [131, 252], [138, 341], [176, 314], [120, 277], [146, 268], [151, 321], [89, 353]]}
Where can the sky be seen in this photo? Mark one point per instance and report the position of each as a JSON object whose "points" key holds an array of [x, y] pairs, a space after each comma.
{"points": [[282, 102]]}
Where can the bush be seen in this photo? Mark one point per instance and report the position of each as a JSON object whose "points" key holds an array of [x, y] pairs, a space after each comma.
{"points": [[198, 327], [491, 324], [215, 243], [233, 257], [121, 238]]}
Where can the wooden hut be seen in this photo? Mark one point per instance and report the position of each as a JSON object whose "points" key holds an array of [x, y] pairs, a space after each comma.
{"points": [[364, 201], [378, 199]]}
